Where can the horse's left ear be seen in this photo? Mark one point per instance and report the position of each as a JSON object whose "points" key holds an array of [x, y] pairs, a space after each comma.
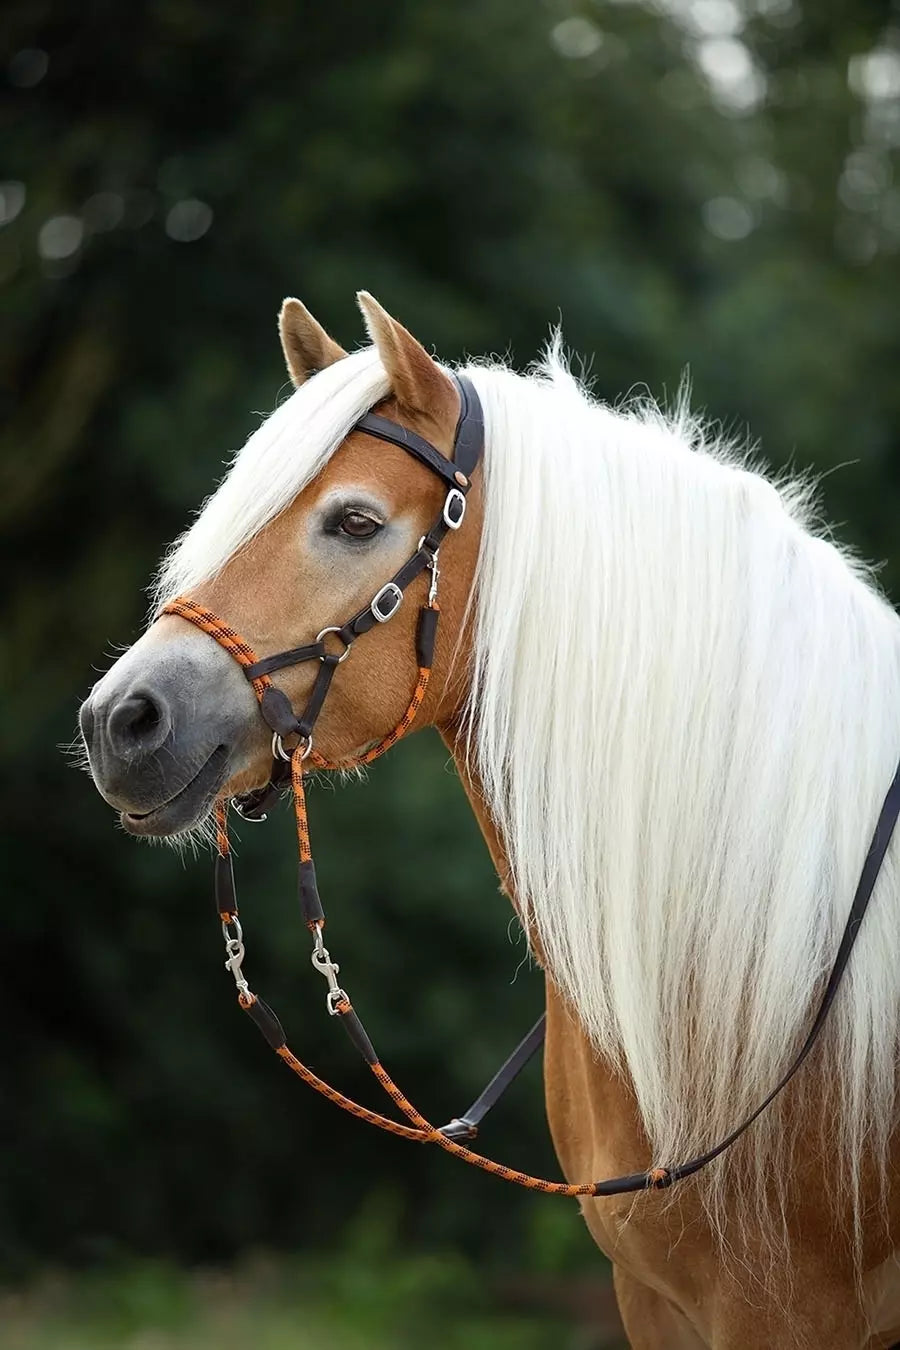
{"points": [[417, 382], [306, 346]]}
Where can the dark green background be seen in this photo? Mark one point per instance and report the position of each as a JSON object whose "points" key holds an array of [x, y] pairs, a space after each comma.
{"points": [[483, 168]]}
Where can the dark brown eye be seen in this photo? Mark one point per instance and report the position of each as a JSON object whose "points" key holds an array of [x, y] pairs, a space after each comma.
{"points": [[358, 526]]}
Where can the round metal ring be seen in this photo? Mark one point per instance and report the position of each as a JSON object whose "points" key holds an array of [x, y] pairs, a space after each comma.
{"points": [[347, 645], [279, 750]]}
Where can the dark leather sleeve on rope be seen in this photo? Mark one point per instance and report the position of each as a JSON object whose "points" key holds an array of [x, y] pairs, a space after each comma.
{"points": [[226, 900], [275, 707], [357, 1033], [310, 903], [325, 674], [364, 621], [266, 1020], [426, 636], [311, 652]]}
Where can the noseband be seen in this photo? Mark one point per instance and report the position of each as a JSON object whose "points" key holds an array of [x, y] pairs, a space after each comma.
{"points": [[285, 724]]}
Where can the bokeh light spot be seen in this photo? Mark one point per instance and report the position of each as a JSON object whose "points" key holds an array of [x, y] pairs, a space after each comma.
{"points": [[734, 79], [60, 237], [728, 218], [188, 220], [12, 199], [875, 75], [576, 37]]}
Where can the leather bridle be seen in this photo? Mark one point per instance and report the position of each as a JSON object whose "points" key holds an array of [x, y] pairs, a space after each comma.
{"points": [[285, 724]]}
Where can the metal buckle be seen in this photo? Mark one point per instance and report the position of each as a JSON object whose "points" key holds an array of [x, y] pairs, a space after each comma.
{"points": [[389, 588], [454, 495], [347, 645]]}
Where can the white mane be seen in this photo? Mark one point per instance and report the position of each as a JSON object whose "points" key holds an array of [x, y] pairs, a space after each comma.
{"points": [[685, 711]]}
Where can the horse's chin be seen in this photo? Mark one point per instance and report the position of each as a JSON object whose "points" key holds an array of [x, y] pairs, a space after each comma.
{"points": [[187, 808]]}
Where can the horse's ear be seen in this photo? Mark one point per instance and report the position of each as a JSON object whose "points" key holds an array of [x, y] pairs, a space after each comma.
{"points": [[417, 382], [306, 346]]}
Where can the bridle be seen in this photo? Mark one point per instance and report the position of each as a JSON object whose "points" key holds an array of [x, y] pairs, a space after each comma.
{"points": [[278, 713]]}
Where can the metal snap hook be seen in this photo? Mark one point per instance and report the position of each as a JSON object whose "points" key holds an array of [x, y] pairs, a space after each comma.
{"points": [[251, 820]]}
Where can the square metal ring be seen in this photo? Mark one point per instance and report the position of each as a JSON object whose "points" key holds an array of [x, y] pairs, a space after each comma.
{"points": [[389, 589]]}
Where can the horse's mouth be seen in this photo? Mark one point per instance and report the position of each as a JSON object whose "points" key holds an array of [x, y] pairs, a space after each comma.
{"points": [[189, 804]]}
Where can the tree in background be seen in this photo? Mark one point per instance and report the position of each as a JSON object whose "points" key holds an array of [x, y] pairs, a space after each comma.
{"points": [[693, 183]]}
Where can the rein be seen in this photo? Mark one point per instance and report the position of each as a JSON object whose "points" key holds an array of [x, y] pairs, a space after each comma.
{"points": [[279, 715]]}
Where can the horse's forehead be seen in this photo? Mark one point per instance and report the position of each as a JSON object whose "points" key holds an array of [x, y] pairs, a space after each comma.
{"points": [[361, 461]]}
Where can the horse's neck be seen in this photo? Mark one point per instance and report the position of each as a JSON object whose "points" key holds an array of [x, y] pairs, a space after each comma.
{"points": [[452, 737], [578, 1082]]}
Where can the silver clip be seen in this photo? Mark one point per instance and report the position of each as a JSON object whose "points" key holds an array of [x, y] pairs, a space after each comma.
{"points": [[234, 953], [435, 575], [322, 962]]}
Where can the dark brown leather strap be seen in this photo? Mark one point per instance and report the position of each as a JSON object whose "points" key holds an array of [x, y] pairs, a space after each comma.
{"points": [[468, 438], [386, 430], [466, 1125], [311, 652]]}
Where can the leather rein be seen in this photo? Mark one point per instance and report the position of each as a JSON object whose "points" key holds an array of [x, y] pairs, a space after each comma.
{"points": [[278, 713]]}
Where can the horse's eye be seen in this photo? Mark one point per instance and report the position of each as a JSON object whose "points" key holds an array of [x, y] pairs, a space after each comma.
{"points": [[359, 526]]}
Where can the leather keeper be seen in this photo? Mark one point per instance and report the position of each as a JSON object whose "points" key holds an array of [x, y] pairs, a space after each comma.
{"points": [[275, 707], [223, 885], [459, 1128], [267, 1022], [310, 904], [358, 1035], [426, 636]]}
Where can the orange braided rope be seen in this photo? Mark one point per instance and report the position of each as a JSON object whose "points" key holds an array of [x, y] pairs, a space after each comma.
{"points": [[420, 1128]]}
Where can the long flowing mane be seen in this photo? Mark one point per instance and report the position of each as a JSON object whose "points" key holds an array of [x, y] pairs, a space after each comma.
{"points": [[685, 711]]}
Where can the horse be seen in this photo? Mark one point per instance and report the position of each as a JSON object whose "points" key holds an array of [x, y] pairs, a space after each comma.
{"points": [[674, 704]]}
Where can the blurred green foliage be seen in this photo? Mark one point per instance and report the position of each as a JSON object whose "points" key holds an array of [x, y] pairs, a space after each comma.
{"points": [[701, 183], [361, 1298]]}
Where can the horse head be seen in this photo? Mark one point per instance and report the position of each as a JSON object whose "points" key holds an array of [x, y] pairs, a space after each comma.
{"points": [[174, 724]]}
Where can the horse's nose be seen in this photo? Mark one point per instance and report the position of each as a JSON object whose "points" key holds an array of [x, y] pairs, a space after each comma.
{"points": [[134, 725]]}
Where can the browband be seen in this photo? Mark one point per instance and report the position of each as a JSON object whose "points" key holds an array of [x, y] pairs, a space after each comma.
{"points": [[468, 439]]}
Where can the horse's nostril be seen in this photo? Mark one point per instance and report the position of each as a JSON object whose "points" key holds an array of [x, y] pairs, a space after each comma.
{"points": [[139, 722]]}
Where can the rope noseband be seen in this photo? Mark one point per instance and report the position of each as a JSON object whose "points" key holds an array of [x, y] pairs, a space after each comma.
{"points": [[285, 724]]}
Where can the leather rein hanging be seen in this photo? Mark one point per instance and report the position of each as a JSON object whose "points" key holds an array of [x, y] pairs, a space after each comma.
{"points": [[277, 711]]}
